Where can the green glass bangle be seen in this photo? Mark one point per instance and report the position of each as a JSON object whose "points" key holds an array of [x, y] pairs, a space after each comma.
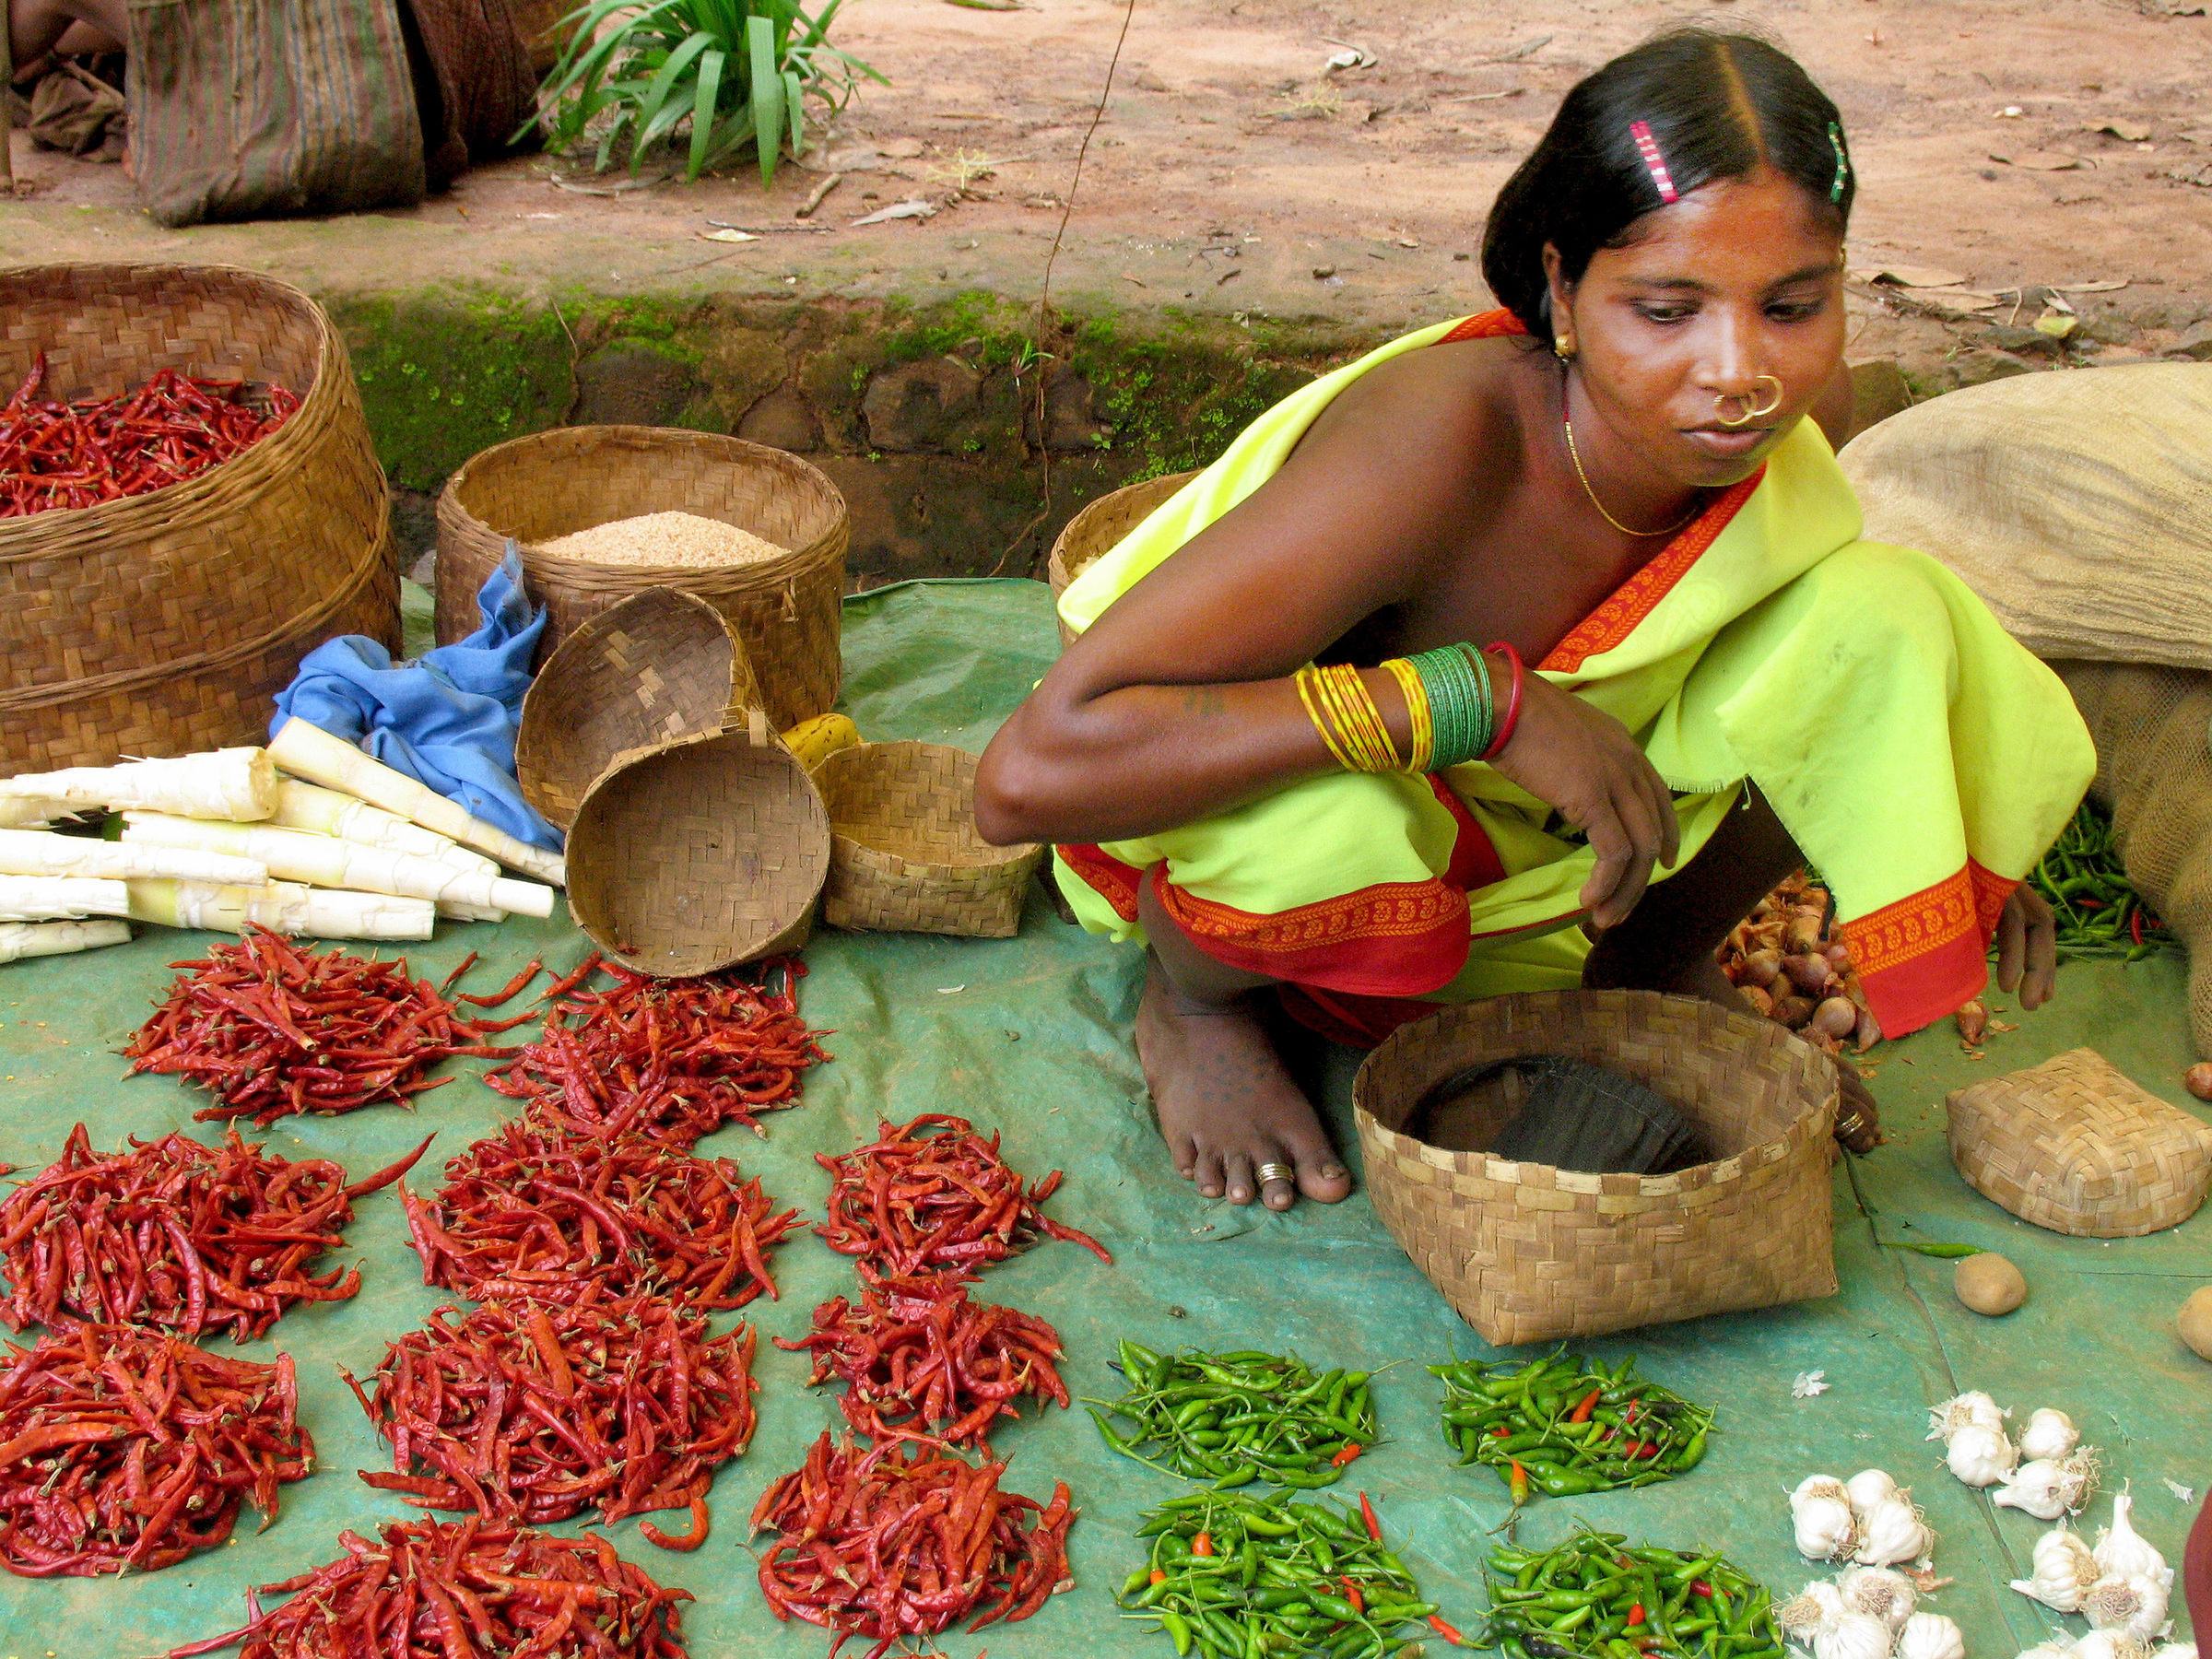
{"points": [[1459, 704]]}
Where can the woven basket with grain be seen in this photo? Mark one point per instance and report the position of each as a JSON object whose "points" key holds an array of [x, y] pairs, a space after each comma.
{"points": [[552, 484], [2076, 1146], [1100, 525], [164, 623], [904, 854], [688, 857], [659, 667], [1528, 1253]]}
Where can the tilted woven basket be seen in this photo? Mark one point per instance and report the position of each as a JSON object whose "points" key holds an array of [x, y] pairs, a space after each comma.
{"points": [[904, 854], [1100, 525], [659, 667], [2079, 1147], [1528, 1253], [551, 483], [693, 855], [164, 623]]}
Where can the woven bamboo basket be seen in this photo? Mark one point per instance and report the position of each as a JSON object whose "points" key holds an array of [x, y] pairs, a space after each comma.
{"points": [[660, 666], [551, 483], [688, 857], [904, 856], [1100, 525], [2079, 1147], [164, 623], [1526, 1252]]}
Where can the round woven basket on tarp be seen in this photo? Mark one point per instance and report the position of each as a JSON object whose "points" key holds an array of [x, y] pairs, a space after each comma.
{"points": [[904, 854], [164, 623], [556, 483], [1102, 525], [1527, 1252], [690, 856], [660, 666]]}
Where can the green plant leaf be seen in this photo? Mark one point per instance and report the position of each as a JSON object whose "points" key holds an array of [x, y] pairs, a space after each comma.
{"points": [[703, 106], [767, 95], [795, 99]]}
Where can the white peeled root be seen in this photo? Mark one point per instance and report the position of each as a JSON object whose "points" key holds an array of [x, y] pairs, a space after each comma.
{"points": [[59, 898], [282, 907], [328, 861], [469, 913], [38, 852], [228, 783], [31, 812], [331, 812], [315, 755], [21, 939]]}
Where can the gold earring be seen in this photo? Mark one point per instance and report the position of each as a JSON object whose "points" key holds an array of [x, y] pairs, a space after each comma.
{"points": [[1563, 346]]}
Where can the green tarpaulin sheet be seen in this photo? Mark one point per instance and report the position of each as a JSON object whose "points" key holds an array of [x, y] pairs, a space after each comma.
{"points": [[1031, 1036]]}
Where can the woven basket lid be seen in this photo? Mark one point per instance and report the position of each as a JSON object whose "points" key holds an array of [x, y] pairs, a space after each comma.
{"points": [[660, 666], [690, 856]]}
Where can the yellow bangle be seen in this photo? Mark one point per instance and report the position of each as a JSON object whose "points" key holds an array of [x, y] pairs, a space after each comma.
{"points": [[1307, 680], [1357, 719], [1423, 744]]}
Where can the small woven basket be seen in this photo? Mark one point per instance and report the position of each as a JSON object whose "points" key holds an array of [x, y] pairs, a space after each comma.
{"points": [[904, 854], [694, 855], [163, 623], [1527, 1252], [658, 667], [551, 483], [1100, 525], [2079, 1147]]}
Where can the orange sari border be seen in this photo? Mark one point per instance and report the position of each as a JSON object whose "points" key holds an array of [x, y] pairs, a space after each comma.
{"points": [[1927, 955], [1394, 939], [1112, 880]]}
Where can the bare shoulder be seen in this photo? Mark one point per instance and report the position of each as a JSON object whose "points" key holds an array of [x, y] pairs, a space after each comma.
{"points": [[1463, 397]]}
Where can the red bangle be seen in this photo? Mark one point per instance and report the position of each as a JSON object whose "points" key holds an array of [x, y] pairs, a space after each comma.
{"points": [[1512, 703]]}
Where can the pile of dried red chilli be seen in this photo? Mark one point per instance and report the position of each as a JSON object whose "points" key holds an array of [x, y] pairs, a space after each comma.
{"points": [[673, 1058], [534, 1411], [547, 1212], [128, 1450], [102, 449], [903, 1539], [271, 1030], [440, 1590], [177, 1235]]}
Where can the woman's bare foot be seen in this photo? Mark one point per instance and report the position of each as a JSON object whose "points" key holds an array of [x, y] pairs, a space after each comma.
{"points": [[1225, 1103]]}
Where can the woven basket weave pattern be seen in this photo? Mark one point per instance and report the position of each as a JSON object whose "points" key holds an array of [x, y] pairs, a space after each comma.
{"points": [[2079, 1147], [1526, 1252], [659, 667], [786, 611], [690, 856], [164, 623], [904, 853], [1100, 525]]}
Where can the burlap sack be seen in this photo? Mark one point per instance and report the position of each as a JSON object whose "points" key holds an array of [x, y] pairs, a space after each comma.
{"points": [[2078, 505]]}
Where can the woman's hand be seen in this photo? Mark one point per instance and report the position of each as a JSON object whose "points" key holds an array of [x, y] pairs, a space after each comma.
{"points": [[1585, 763], [2028, 946]]}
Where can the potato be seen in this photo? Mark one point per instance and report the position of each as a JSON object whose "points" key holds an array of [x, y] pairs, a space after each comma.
{"points": [[1989, 1284], [2195, 1322]]}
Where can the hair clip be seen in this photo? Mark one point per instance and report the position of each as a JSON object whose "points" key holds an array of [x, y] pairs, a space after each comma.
{"points": [[1655, 163], [1835, 139]]}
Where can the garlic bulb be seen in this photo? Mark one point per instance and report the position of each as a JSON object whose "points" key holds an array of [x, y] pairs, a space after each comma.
{"points": [[2050, 1434], [1889, 1595], [2063, 1572], [1822, 1514], [2048, 1490], [2108, 1644], [2137, 1606], [1852, 1636], [1893, 1531], [1980, 1455], [1930, 1636], [2122, 1551], [1812, 1610], [1956, 1413], [1869, 1487]]}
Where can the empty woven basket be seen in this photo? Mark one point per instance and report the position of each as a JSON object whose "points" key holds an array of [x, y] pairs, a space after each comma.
{"points": [[2079, 1147], [693, 855], [1103, 523], [659, 667], [1527, 1252], [904, 854]]}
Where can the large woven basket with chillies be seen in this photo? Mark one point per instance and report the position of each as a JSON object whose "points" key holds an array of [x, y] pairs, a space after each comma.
{"points": [[1527, 1252], [1566, 1426]]}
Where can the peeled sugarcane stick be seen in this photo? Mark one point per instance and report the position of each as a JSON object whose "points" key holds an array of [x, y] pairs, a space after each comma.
{"points": [[36, 852], [21, 939], [328, 812], [283, 907], [31, 812], [454, 911], [326, 861], [233, 783], [315, 755], [51, 898]]}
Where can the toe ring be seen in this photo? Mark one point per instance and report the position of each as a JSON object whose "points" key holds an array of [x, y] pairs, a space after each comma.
{"points": [[1276, 1171]]}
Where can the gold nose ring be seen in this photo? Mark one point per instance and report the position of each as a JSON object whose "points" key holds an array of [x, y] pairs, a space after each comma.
{"points": [[1751, 411]]}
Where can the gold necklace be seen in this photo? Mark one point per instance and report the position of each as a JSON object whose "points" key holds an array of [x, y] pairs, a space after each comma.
{"points": [[1573, 454]]}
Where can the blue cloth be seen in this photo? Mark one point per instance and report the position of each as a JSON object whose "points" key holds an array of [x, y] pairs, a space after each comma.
{"points": [[449, 718]]}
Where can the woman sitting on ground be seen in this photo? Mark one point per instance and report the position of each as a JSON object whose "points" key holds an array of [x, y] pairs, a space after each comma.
{"points": [[1455, 653]]}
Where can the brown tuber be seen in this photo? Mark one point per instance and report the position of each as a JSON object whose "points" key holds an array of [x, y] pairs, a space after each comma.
{"points": [[1837, 1018], [1974, 1020], [2197, 1080], [2195, 1323], [1792, 1011], [1762, 967], [1989, 1284], [1810, 974]]}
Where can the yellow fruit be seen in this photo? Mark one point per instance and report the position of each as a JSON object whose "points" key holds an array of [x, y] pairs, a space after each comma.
{"points": [[813, 741]]}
